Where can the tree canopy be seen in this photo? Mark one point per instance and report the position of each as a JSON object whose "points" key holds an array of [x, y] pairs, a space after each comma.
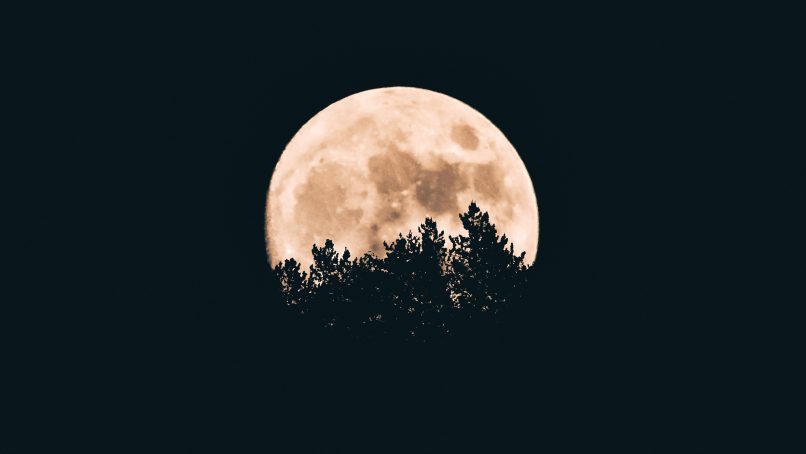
{"points": [[420, 291]]}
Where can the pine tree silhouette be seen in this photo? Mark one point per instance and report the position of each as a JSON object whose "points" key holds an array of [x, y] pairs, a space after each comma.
{"points": [[483, 270], [419, 291], [326, 285], [292, 284], [432, 282]]}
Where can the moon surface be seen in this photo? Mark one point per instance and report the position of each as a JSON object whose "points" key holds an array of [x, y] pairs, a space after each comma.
{"points": [[376, 163]]}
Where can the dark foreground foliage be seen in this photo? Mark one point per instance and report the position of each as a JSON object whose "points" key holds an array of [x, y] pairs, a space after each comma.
{"points": [[421, 291]]}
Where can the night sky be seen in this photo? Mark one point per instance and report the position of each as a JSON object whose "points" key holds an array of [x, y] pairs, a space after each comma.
{"points": [[181, 124]]}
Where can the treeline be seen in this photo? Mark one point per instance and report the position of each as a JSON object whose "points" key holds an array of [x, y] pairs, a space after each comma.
{"points": [[421, 291]]}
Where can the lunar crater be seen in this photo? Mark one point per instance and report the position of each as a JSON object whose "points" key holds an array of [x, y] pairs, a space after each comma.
{"points": [[436, 189], [464, 135], [392, 170]]}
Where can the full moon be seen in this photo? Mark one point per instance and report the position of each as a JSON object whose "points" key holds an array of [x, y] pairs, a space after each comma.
{"points": [[378, 162]]}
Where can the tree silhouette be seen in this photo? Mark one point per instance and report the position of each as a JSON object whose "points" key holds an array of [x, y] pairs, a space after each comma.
{"points": [[419, 291], [323, 287], [483, 270], [292, 283]]}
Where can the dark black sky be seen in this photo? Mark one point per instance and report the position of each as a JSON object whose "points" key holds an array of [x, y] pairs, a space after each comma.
{"points": [[236, 116], [182, 118]]}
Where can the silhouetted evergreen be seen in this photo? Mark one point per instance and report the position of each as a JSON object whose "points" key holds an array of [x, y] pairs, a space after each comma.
{"points": [[484, 272], [420, 291]]}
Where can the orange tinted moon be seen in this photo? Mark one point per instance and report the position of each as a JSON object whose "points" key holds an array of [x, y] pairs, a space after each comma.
{"points": [[376, 163]]}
